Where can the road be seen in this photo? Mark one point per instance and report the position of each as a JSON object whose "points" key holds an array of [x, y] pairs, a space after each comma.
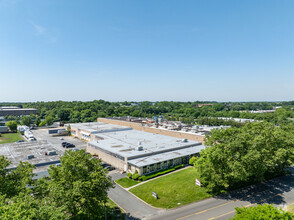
{"points": [[279, 191]]}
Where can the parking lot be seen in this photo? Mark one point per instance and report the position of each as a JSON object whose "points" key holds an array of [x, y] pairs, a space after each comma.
{"points": [[43, 134]]}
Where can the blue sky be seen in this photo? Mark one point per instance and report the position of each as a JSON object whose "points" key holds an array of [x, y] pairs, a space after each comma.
{"points": [[229, 50]]}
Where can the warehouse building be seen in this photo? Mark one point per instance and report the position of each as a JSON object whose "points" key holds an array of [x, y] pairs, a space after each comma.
{"points": [[131, 150], [16, 111], [87, 131]]}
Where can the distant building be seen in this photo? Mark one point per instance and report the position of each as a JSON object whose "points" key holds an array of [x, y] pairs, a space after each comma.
{"points": [[16, 111], [3, 129], [200, 105]]}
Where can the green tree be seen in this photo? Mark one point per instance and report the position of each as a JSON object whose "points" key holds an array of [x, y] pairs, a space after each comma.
{"points": [[49, 120], [12, 125], [26, 120], [68, 130], [15, 181], [24, 206], [238, 156], [37, 121], [80, 184], [63, 114], [262, 212]]}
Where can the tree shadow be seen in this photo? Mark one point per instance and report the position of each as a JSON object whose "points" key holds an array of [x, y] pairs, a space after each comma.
{"points": [[268, 192]]}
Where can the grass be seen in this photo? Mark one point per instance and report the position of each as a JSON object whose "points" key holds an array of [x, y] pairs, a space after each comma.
{"points": [[172, 189], [290, 208], [10, 138], [126, 182]]}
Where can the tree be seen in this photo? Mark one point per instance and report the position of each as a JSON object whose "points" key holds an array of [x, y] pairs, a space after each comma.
{"points": [[49, 120], [24, 206], [37, 121], [68, 130], [80, 184], [26, 120], [240, 156], [16, 181], [12, 125], [63, 114], [264, 211]]}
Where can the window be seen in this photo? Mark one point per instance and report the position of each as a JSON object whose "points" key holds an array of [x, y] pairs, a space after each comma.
{"points": [[158, 166], [145, 169], [152, 168]]}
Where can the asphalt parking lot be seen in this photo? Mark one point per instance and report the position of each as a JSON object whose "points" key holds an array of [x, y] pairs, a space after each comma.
{"points": [[43, 134]]}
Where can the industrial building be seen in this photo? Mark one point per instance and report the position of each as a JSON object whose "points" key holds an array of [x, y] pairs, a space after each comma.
{"points": [[16, 111], [38, 153], [161, 126], [131, 150], [87, 131]]}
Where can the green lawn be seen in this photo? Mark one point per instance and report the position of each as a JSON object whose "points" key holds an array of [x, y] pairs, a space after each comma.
{"points": [[9, 138], [290, 208], [172, 189], [126, 182]]}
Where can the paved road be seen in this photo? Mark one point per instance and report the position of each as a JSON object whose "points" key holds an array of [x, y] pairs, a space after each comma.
{"points": [[279, 191]]}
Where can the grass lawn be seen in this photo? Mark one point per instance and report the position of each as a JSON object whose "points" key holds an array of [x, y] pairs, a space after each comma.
{"points": [[9, 138], [172, 189], [290, 208], [126, 182]]}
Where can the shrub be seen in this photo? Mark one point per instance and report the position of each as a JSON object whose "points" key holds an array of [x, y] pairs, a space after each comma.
{"points": [[159, 173], [192, 160], [129, 175], [135, 176]]}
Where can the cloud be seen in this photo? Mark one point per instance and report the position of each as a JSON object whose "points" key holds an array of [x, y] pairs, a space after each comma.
{"points": [[45, 33], [40, 30]]}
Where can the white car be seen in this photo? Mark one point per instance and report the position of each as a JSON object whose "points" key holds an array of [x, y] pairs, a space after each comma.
{"points": [[61, 139]]}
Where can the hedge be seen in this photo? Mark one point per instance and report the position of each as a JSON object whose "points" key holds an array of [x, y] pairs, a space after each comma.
{"points": [[129, 175], [159, 173]]}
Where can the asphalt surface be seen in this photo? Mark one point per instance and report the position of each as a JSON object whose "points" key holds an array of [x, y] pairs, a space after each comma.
{"points": [[278, 191], [42, 134]]}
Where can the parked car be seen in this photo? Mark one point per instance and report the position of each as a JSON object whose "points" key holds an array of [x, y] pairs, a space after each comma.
{"points": [[20, 141], [69, 145], [64, 143], [109, 168], [62, 139]]}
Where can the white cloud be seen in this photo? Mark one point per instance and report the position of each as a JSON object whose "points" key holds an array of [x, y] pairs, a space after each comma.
{"points": [[40, 30]]}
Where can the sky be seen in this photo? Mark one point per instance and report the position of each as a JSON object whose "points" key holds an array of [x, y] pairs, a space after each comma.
{"points": [[208, 50]]}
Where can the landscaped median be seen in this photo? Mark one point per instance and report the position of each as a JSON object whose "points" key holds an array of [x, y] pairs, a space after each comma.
{"points": [[173, 190]]}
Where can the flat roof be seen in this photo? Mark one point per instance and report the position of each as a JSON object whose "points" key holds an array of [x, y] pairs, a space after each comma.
{"points": [[17, 109], [126, 143], [97, 127], [158, 158], [16, 152]]}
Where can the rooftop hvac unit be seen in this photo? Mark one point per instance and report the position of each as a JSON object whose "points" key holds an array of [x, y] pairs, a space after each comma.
{"points": [[30, 157], [140, 148], [185, 140], [52, 153]]}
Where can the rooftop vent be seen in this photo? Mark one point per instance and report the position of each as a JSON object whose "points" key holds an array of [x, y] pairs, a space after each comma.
{"points": [[30, 157], [185, 140], [140, 148]]}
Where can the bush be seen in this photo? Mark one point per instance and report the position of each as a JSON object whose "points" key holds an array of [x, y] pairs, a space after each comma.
{"points": [[135, 176], [192, 160], [159, 173], [129, 175]]}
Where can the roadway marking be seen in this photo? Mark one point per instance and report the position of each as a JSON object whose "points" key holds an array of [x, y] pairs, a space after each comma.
{"points": [[243, 206], [197, 213]]}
